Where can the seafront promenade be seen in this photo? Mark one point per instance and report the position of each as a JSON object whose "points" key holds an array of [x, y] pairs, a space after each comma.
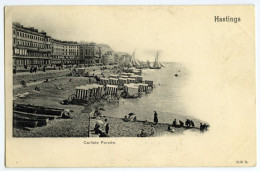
{"points": [[40, 75]]}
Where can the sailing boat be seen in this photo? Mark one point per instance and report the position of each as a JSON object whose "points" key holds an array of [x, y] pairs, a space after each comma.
{"points": [[134, 61], [161, 64], [148, 64], [129, 64], [157, 64], [124, 61]]}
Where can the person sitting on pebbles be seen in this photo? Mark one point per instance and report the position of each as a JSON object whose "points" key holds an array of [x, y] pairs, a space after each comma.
{"points": [[142, 133], [152, 130], [125, 119], [170, 129], [102, 134], [181, 123]]}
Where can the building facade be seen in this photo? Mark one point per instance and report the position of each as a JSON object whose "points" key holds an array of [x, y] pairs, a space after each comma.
{"points": [[90, 53], [57, 53], [30, 47], [71, 53], [109, 58], [35, 48]]}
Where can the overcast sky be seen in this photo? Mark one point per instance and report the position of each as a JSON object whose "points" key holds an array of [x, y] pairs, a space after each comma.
{"points": [[174, 31]]}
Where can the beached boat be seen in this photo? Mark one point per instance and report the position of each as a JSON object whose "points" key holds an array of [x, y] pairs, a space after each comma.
{"points": [[35, 116], [38, 109], [19, 123], [39, 122], [37, 106]]}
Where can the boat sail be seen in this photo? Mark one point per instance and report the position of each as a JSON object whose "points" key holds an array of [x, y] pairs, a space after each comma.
{"points": [[129, 64], [134, 61], [161, 64], [124, 61], [148, 64], [156, 64]]}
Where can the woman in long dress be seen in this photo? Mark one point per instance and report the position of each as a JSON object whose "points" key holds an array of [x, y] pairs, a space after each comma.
{"points": [[155, 118]]}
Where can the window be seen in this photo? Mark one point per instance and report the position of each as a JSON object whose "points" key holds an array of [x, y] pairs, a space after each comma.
{"points": [[16, 51], [13, 31]]}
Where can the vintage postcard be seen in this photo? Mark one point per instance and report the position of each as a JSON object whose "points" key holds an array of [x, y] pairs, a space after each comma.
{"points": [[130, 86]]}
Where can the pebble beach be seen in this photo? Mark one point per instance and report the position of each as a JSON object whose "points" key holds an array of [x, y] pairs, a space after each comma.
{"points": [[60, 88]]}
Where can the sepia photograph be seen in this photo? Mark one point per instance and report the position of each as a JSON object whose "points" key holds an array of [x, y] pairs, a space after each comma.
{"points": [[65, 84], [131, 80]]}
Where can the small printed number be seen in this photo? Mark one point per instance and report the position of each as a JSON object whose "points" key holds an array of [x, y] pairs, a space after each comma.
{"points": [[241, 161]]}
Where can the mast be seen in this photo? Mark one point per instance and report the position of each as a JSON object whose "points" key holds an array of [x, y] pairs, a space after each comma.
{"points": [[132, 58], [134, 61], [124, 62], [156, 62], [148, 63]]}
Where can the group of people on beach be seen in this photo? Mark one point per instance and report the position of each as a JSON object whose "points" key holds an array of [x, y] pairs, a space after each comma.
{"points": [[188, 124], [143, 133], [203, 127], [130, 117], [102, 129]]}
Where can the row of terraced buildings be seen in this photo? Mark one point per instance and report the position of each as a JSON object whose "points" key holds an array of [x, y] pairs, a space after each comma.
{"points": [[33, 47]]}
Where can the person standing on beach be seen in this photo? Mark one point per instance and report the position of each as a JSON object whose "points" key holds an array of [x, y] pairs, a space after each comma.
{"points": [[155, 118], [181, 123], [106, 126], [174, 123]]}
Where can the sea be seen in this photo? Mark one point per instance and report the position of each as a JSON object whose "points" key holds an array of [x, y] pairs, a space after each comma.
{"points": [[167, 98]]}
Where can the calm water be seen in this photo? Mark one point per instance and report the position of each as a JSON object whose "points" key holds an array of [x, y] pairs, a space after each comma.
{"points": [[167, 98]]}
